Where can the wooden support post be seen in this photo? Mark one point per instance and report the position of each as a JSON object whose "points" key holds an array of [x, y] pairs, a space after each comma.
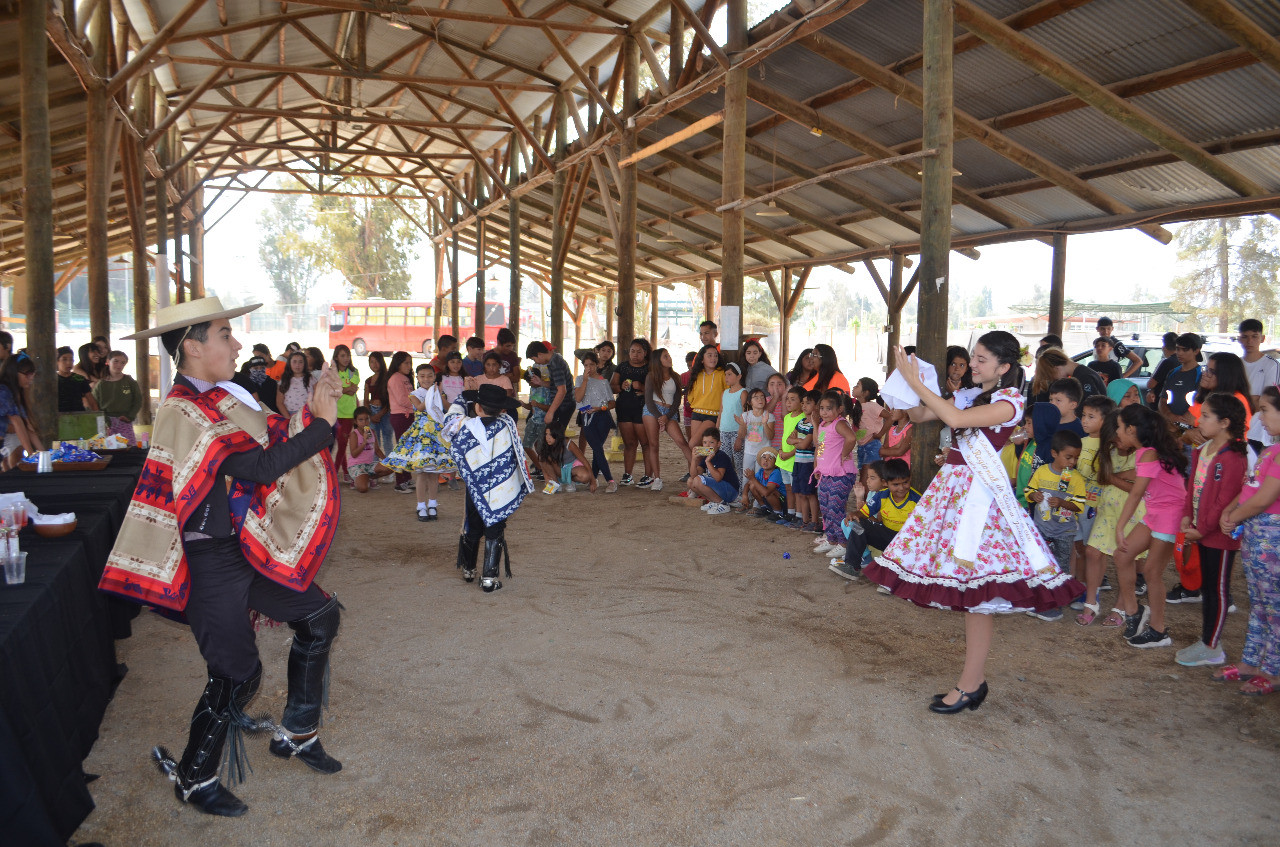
{"points": [[735, 174], [454, 275], [513, 260], [179, 254], [37, 226], [709, 298], [935, 214], [628, 196], [481, 232], [1058, 283], [437, 255], [653, 317], [197, 245], [97, 182], [608, 321], [558, 188], [675, 36], [894, 304], [162, 265]]}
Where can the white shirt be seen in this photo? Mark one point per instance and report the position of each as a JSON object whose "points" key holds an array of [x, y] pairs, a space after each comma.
{"points": [[1264, 372]]}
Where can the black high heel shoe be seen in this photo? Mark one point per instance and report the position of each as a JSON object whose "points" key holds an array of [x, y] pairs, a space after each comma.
{"points": [[967, 700]]}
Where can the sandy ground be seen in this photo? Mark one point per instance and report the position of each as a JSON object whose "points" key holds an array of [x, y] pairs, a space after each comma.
{"points": [[653, 675]]}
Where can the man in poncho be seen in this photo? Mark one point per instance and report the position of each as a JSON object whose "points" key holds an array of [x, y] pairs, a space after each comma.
{"points": [[487, 451], [234, 511]]}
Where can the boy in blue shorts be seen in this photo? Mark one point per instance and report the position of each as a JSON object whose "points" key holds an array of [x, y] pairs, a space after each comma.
{"points": [[801, 440], [767, 486], [714, 478]]}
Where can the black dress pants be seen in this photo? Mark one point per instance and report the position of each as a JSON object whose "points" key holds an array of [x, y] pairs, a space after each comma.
{"points": [[873, 535], [224, 587]]}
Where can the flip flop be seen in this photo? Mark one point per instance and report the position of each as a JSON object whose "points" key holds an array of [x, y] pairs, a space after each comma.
{"points": [[1230, 673], [1262, 687]]}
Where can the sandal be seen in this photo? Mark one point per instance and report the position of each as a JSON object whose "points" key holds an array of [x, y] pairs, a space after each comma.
{"points": [[1115, 619], [1088, 614], [1231, 673], [1261, 686]]}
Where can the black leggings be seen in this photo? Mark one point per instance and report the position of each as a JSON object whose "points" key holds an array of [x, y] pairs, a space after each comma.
{"points": [[873, 534], [1215, 583], [597, 432]]}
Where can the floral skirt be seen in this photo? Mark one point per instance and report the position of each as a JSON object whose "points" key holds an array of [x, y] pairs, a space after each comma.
{"points": [[920, 564], [420, 449]]}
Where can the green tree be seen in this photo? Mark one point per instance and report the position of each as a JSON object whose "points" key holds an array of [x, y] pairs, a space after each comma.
{"points": [[1233, 271], [368, 240], [286, 249]]}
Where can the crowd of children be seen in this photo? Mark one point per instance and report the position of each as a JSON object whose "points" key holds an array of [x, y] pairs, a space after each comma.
{"points": [[1098, 473]]}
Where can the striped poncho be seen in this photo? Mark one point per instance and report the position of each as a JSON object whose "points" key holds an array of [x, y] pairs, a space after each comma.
{"points": [[488, 455]]}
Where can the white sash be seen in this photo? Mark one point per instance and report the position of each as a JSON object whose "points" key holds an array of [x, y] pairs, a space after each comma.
{"points": [[987, 469]]}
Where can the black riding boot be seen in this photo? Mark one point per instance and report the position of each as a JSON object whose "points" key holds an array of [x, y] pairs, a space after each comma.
{"points": [[220, 712], [308, 690], [494, 550], [468, 551]]}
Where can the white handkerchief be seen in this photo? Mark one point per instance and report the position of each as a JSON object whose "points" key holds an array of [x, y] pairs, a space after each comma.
{"points": [[898, 395]]}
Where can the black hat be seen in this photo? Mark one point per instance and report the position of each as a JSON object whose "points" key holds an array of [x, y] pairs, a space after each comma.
{"points": [[1104, 321], [257, 362], [491, 396]]}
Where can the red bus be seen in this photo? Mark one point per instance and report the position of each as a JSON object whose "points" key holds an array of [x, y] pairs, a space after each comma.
{"points": [[390, 325]]}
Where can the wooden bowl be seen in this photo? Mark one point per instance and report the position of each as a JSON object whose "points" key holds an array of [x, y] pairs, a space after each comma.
{"points": [[54, 530]]}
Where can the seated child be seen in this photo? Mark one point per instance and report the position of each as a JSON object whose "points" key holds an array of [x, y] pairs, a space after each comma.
{"points": [[766, 486], [714, 478], [1057, 492], [563, 463], [363, 451], [881, 515]]}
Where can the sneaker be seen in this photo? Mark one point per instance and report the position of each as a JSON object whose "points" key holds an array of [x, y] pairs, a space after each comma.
{"points": [[551, 488], [626, 479], [1140, 588], [570, 487], [1077, 604], [1200, 654], [684, 478], [866, 558], [1135, 623], [783, 520], [880, 589], [404, 487], [1178, 594], [1151, 638], [611, 487], [656, 485], [821, 539], [825, 549], [717, 509], [1050, 616], [761, 512], [847, 571], [645, 482], [1106, 585], [704, 506], [808, 527]]}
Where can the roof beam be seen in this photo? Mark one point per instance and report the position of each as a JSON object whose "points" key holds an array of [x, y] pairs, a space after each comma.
{"points": [[327, 70], [970, 126], [1241, 28], [440, 14], [1024, 50], [152, 46]]}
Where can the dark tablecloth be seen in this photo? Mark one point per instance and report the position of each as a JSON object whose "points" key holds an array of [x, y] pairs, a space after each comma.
{"points": [[57, 658]]}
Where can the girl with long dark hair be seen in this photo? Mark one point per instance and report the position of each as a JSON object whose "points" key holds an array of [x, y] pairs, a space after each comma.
{"points": [[957, 374], [1161, 471], [969, 546], [295, 385], [17, 373], [375, 397], [756, 366], [627, 383], [828, 373], [399, 385], [706, 392], [662, 395], [804, 368], [349, 378]]}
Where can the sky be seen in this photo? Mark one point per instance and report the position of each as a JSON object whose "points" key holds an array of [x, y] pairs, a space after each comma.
{"points": [[1101, 268]]}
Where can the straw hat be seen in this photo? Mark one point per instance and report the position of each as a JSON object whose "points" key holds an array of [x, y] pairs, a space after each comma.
{"points": [[188, 314]]}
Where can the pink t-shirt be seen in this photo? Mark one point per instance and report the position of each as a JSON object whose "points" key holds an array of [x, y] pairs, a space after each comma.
{"points": [[830, 443], [872, 415], [1165, 496], [1268, 467], [398, 394], [894, 437]]}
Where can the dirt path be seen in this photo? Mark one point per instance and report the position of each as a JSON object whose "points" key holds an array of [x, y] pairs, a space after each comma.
{"points": [[655, 676]]}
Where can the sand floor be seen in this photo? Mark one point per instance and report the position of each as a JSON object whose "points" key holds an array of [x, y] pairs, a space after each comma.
{"points": [[653, 675]]}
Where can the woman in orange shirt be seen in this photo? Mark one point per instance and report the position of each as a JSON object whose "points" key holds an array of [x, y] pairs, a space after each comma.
{"points": [[828, 375]]}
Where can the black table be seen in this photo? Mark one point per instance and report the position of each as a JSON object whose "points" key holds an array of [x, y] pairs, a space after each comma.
{"points": [[57, 657]]}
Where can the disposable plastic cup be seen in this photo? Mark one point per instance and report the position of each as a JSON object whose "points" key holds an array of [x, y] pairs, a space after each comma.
{"points": [[15, 569]]}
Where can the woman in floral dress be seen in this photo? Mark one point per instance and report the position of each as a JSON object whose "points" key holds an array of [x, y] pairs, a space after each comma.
{"points": [[968, 545]]}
